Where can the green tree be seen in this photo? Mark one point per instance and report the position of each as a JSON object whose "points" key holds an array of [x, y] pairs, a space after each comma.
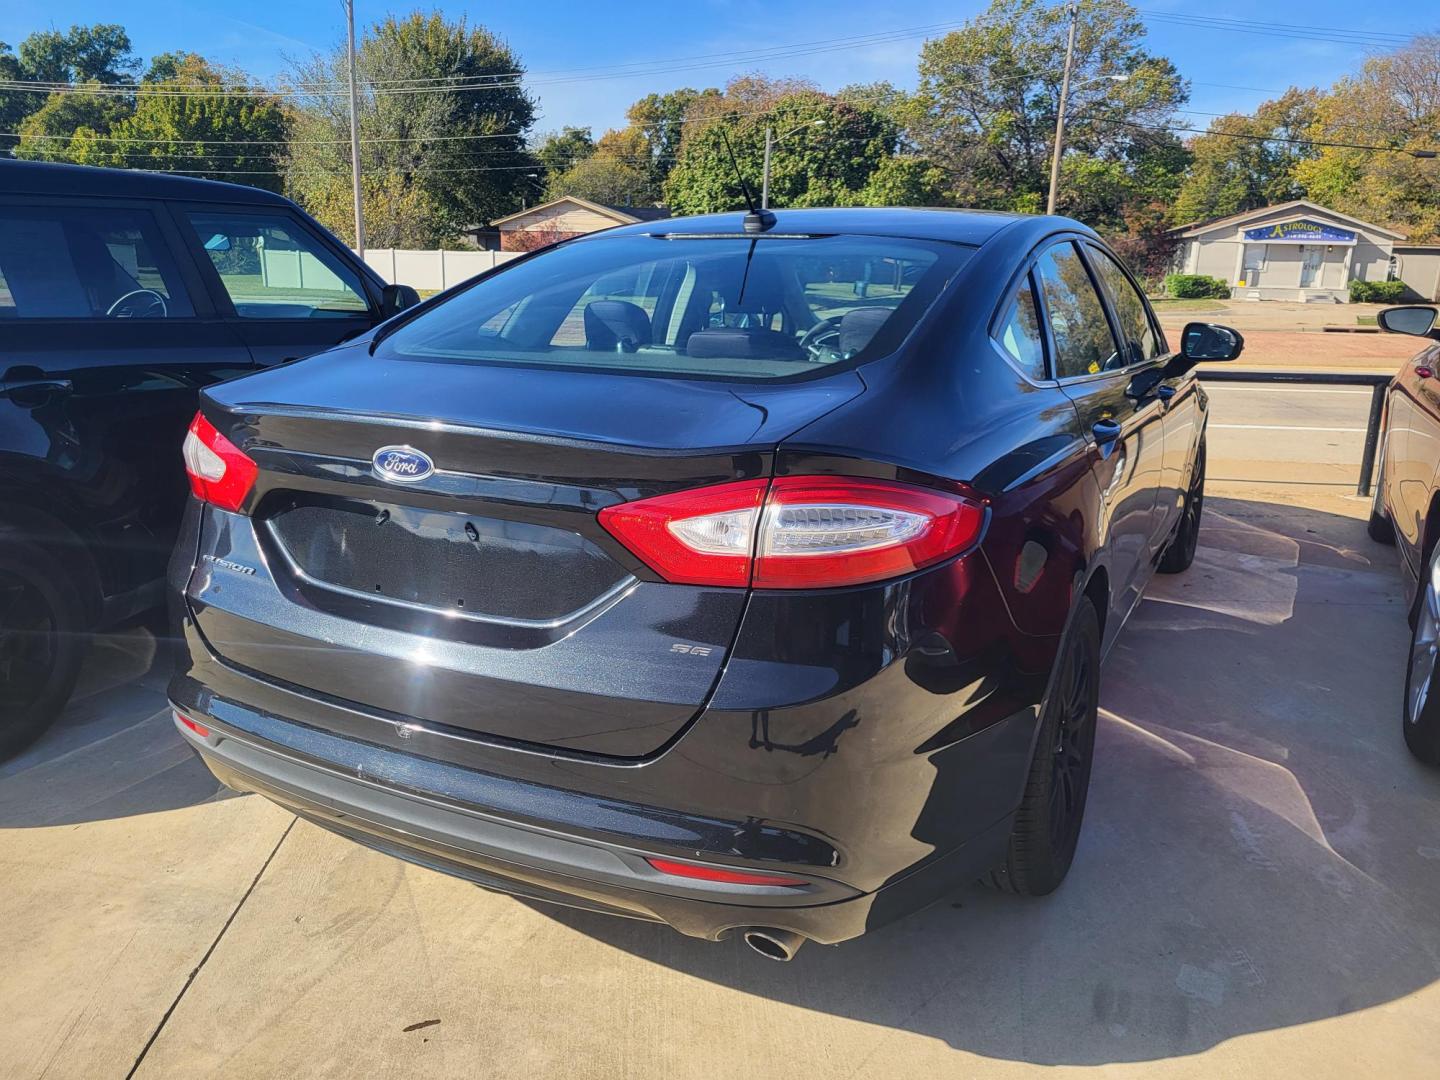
{"points": [[811, 165], [561, 150], [70, 126], [221, 126], [903, 181], [1393, 102], [463, 149], [1242, 164], [604, 179], [83, 54], [985, 107], [660, 119]]}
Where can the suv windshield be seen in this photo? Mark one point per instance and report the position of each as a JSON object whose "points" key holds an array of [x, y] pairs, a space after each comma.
{"points": [[726, 306]]}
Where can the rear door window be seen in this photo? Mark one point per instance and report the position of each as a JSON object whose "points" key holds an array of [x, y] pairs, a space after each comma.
{"points": [[271, 268], [72, 262], [1019, 334], [1084, 344], [1142, 343]]}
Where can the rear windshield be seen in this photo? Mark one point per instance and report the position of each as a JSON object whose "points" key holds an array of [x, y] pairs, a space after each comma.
{"points": [[729, 307]]}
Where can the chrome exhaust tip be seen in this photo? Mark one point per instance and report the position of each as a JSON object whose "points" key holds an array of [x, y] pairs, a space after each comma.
{"points": [[778, 945]]}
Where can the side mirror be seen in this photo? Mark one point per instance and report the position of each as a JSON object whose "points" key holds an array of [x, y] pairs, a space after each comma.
{"points": [[1210, 341], [1414, 320], [396, 298]]}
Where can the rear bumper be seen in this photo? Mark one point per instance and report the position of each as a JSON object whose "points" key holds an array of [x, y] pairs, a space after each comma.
{"points": [[433, 814]]}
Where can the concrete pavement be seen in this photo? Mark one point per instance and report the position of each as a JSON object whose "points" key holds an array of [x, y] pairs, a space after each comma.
{"points": [[1255, 893]]}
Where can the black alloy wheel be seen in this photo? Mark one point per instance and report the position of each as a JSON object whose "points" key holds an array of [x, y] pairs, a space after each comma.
{"points": [[1180, 552], [1047, 823], [1422, 697]]}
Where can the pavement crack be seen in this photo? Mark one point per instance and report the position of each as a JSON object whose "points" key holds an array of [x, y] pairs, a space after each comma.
{"points": [[190, 979]]}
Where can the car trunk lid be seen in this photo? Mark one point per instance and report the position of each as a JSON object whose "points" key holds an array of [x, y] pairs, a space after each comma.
{"points": [[484, 597]]}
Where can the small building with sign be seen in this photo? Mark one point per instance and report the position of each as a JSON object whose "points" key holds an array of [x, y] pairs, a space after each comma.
{"points": [[1303, 251]]}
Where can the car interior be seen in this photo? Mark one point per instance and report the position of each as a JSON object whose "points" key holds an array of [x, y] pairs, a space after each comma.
{"points": [[715, 306]]}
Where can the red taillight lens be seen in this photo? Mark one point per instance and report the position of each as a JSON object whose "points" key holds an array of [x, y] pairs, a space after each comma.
{"points": [[704, 536], [805, 532], [219, 471], [715, 873], [199, 729]]}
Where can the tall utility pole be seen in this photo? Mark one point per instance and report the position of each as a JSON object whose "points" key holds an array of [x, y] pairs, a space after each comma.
{"points": [[354, 129], [765, 172], [770, 141], [1073, 11]]}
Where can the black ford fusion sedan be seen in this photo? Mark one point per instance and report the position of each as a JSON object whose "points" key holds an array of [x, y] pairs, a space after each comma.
{"points": [[751, 575]]}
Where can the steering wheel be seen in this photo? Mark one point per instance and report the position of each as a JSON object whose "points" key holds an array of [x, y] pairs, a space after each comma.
{"points": [[819, 337], [123, 309]]}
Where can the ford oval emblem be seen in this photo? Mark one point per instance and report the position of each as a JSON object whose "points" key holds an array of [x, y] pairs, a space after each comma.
{"points": [[401, 464]]}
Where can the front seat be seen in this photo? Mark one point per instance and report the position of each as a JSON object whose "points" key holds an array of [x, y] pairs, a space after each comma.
{"points": [[615, 326]]}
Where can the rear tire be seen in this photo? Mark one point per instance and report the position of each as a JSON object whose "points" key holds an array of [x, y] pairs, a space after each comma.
{"points": [[1047, 823], [1380, 528], [1420, 708], [42, 641], [1180, 552]]}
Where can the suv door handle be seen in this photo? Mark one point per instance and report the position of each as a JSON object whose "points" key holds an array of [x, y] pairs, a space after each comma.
{"points": [[1165, 393], [1105, 432]]}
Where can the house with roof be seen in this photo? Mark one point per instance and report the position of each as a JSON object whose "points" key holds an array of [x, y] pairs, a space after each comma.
{"points": [[564, 218], [1303, 251]]}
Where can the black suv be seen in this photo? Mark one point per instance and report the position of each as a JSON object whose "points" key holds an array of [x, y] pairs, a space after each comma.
{"points": [[121, 294]]}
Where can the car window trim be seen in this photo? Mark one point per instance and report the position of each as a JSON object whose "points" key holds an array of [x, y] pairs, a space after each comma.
{"points": [[202, 305], [223, 301], [1160, 338], [1009, 299]]}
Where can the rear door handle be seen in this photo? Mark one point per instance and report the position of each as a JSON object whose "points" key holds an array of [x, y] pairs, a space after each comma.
{"points": [[1165, 393], [1105, 431]]}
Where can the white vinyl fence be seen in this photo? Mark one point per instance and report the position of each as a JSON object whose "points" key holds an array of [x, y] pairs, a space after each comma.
{"points": [[433, 270]]}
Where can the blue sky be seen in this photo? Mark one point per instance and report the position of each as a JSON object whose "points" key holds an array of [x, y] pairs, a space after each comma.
{"points": [[1228, 70]]}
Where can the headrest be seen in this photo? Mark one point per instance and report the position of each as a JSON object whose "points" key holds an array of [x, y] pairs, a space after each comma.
{"points": [[747, 342], [859, 325], [615, 324]]}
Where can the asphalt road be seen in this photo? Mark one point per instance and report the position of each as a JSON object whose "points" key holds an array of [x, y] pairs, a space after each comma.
{"points": [[1286, 435]]}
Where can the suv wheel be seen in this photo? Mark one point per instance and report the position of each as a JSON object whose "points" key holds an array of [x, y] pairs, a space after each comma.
{"points": [[42, 641], [1180, 552], [1047, 824], [1422, 696]]}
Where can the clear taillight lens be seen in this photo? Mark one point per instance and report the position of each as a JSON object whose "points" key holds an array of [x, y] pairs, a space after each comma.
{"points": [[797, 532], [219, 471]]}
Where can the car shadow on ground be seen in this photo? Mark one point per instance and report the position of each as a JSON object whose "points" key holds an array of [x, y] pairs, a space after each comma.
{"points": [[114, 752], [1259, 850]]}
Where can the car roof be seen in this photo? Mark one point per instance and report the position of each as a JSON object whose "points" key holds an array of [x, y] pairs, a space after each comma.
{"points": [[925, 223], [52, 178]]}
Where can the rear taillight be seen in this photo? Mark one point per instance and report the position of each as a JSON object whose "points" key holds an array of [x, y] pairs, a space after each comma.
{"points": [[721, 874], [796, 532], [219, 471]]}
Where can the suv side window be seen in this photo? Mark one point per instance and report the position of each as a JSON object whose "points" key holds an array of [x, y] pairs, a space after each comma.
{"points": [[79, 262], [1084, 344], [1141, 341], [1019, 334], [274, 269]]}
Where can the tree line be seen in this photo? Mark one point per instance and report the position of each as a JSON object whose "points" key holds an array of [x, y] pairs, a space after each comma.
{"points": [[448, 131]]}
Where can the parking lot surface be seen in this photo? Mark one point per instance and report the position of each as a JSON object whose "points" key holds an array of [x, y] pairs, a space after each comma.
{"points": [[1255, 892]]}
